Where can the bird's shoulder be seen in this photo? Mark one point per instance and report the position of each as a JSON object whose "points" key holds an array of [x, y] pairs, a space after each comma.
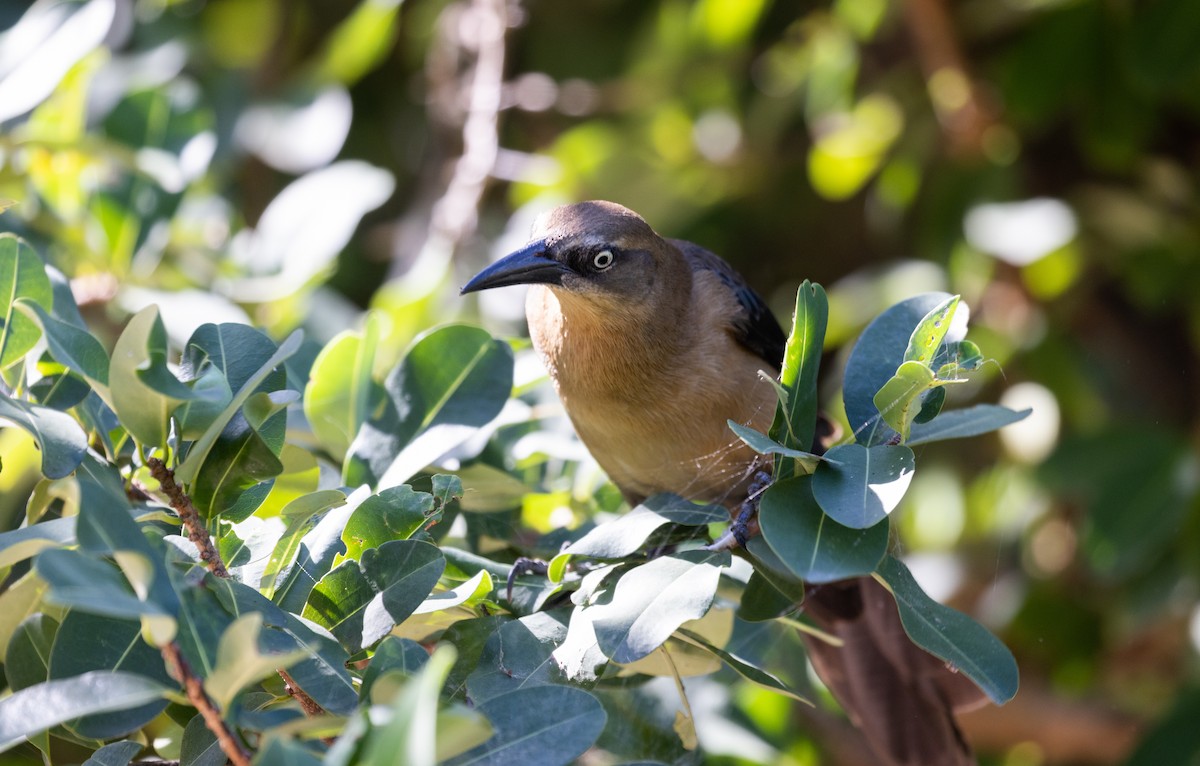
{"points": [[756, 327]]}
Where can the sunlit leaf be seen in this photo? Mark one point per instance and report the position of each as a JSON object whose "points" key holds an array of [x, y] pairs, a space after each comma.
{"points": [[240, 661], [138, 378], [652, 600], [24, 543], [796, 419], [300, 516], [393, 514], [859, 486], [361, 601], [341, 395], [929, 333]]}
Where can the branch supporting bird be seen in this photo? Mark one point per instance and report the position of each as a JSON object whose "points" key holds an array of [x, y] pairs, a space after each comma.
{"points": [[653, 345]]}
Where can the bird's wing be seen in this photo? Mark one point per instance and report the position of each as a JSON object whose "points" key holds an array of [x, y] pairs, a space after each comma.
{"points": [[756, 328]]}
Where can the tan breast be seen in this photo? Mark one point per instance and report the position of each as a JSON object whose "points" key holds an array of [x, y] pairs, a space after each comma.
{"points": [[651, 401]]}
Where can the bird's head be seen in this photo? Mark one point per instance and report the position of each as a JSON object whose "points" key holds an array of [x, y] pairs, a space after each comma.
{"points": [[598, 250]]}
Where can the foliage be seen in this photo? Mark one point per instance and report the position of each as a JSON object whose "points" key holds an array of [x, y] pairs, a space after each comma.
{"points": [[255, 168]]}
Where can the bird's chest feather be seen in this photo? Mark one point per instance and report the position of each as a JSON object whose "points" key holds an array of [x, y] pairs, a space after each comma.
{"points": [[652, 403]]}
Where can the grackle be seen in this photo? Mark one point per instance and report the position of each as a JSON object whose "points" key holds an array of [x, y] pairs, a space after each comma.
{"points": [[653, 344]]}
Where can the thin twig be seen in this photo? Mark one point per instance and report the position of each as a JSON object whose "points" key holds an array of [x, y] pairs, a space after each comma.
{"points": [[194, 689], [310, 705], [196, 531]]}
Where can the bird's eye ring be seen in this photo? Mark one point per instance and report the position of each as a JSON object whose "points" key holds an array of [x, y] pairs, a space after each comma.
{"points": [[603, 259]]}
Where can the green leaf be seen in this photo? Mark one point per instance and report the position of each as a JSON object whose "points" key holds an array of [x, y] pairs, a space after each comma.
{"points": [[468, 593], [241, 663], [186, 473], [87, 643], [22, 275], [27, 657], [518, 656], [900, 399], [765, 445], [796, 418], [341, 394], [746, 670], [543, 725], [280, 751], [411, 734], [859, 486], [951, 635], [452, 381], [24, 543], [959, 424], [116, 754], [40, 707], [761, 600], [300, 517], [927, 337], [138, 378], [361, 601], [393, 655], [87, 583], [61, 441], [626, 534], [396, 513], [813, 546], [71, 346], [650, 601], [875, 359]]}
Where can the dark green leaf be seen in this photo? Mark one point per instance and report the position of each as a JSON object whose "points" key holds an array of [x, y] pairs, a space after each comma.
{"points": [[859, 486], [116, 754], [544, 725], [22, 275], [875, 358], [281, 751], [762, 601], [87, 642], [40, 707], [815, 547], [300, 516], [234, 366], [61, 440], [199, 746], [27, 658], [951, 635], [517, 656], [452, 381], [82, 581], [361, 601], [765, 445], [1174, 738]]}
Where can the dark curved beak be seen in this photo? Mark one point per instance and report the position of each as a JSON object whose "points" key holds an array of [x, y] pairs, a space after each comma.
{"points": [[528, 266]]}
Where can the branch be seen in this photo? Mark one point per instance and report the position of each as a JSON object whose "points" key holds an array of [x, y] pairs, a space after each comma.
{"points": [[311, 708], [194, 689], [964, 114], [196, 531]]}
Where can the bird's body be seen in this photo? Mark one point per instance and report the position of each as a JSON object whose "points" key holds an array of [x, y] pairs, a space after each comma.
{"points": [[653, 345]]}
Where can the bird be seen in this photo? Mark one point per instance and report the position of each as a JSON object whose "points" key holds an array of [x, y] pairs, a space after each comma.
{"points": [[653, 345]]}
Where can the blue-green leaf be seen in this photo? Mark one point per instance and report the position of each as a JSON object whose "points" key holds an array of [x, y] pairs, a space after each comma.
{"points": [[951, 635], [60, 439], [859, 486], [959, 424], [40, 707], [543, 725], [813, 546], [22, 275], [875, 358]]}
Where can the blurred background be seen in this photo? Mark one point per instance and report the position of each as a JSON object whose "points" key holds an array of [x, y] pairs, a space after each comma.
{"points": [[292, 163]]}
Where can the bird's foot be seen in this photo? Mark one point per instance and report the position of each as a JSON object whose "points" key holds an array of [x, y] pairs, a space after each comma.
{"points": [[745, 525], [524, 566]]}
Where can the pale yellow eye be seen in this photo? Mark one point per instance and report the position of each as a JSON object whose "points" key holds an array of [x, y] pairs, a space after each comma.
{"points": [[603, 259]]}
